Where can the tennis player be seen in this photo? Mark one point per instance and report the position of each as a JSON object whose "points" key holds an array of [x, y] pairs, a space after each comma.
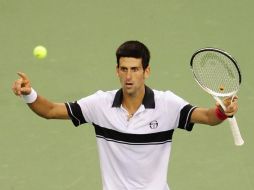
{"points": [[134, 125]]}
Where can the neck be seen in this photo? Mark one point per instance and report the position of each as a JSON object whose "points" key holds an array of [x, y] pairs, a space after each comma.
{"points": [[131, 102]]}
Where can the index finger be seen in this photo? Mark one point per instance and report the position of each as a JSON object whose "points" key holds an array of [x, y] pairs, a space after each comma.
{"points": [[22, 75]]}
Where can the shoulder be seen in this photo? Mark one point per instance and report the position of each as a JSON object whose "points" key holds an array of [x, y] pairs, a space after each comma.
{"points": [[166, 95], [106, 94], [99, 97], [169, 100]]}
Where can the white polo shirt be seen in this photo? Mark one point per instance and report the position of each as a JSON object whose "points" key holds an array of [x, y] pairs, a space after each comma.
{"points": [[134, 153]]}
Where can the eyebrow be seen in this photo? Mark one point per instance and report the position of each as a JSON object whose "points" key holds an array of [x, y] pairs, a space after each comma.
{"points": [[130, 67]]}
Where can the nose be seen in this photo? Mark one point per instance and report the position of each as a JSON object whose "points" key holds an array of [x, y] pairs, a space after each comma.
{"points": [[128, 75]]}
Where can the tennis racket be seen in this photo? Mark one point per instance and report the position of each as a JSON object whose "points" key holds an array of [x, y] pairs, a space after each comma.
{"points": [[218, 73]]}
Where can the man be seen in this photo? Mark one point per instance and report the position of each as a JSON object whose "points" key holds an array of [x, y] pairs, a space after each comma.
{"points": [[133, 125]]}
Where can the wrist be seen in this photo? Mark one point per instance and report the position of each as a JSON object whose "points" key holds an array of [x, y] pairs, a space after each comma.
{"points": [[220, 114], [30, 98]]}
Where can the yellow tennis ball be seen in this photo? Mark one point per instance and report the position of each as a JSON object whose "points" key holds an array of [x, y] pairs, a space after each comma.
{"points": [[40, 52]]}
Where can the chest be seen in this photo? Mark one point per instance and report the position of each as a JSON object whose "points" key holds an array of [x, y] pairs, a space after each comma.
{"points": [[143, 121]]}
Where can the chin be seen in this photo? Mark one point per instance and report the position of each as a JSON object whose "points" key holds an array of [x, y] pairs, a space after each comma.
{"points": [[129, 91]]}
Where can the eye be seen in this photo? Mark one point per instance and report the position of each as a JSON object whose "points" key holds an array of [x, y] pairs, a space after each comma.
{"points": [[135, 69], [123, 69]]}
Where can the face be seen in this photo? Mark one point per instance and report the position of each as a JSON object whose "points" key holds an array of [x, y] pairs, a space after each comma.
{"points": [[132, 75]]}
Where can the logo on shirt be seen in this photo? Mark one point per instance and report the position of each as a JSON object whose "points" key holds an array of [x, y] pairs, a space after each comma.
{"points": [[154, 124]]}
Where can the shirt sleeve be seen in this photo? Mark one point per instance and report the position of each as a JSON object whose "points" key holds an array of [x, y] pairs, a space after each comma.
{"points": [[185, 116], [75, 113], [87, 109]]}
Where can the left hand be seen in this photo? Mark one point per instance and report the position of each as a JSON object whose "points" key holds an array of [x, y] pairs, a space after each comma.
{"points": [[231, 106]]}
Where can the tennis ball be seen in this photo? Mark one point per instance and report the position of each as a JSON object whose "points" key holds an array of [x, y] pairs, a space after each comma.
{"points": [[40, 52]]}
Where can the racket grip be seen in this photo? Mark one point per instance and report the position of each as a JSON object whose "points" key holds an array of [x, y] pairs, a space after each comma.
{"points": [[238, 140]]}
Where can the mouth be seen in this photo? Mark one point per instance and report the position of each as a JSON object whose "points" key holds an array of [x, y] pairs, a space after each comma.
{"points": [[128, 84]]}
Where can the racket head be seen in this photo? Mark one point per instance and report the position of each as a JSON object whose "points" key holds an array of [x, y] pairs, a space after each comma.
{"points": [[216, 71]]}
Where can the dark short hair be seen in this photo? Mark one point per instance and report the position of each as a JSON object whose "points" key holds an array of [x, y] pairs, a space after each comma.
{"points": [[134, 49]]}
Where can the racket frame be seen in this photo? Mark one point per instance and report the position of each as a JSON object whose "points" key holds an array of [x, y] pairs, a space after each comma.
{"points": [[228, 56], [238, 140]]}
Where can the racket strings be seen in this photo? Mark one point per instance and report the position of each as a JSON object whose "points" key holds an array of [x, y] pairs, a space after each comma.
{"points": [[216, 72]]}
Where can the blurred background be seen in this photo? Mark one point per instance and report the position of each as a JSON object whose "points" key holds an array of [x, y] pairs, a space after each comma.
{"points": [[81, 37]]}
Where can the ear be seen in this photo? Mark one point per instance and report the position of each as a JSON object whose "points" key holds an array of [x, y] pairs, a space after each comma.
{"points": [[147, 72], [117, 71]]}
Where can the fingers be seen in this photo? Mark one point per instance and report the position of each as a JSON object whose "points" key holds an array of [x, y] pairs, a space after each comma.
{"points": [[229, 100], [22, 75], [22, 85], [231, 106], [16, 87], [234, 98]]}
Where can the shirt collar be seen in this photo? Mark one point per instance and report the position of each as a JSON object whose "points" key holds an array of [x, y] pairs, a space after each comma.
{"points": [[148, 100]]}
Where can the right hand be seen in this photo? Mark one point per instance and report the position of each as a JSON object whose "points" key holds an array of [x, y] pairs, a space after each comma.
{"points": [[22, 85]]}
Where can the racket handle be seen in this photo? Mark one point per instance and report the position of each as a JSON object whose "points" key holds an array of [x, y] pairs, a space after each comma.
{"points": [[235, 131], [238, 140]]}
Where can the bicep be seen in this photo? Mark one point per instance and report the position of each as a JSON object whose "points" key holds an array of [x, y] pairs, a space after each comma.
{"points": [[59, 111]]}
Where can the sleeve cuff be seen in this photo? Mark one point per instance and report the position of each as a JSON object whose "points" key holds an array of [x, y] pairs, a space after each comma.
{"points": [[75, 113], [185, 116]]}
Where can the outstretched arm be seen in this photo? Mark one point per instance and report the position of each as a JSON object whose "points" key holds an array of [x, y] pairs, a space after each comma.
{"points": [[41, 106], [210, 116]]}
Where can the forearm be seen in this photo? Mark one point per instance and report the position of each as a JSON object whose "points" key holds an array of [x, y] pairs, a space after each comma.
{"points": [[206, 116], [213, 118], [47, 109], [41, 106]]}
